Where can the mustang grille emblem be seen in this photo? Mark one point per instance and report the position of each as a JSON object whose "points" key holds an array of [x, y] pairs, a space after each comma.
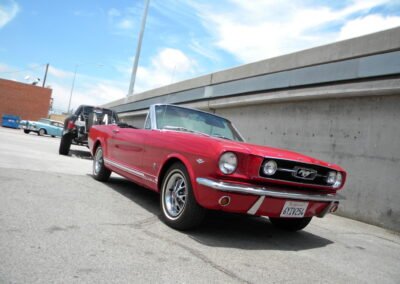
{"points": [[304, 173]]}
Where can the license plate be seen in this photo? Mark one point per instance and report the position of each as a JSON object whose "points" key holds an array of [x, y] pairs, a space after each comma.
{"points": [[294, 209]]}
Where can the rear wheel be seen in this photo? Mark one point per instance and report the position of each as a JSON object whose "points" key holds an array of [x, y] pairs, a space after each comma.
{"points": [[100, 172], [65, 144], [26, 131], [291, 224], [41, 132], [179, 207]]}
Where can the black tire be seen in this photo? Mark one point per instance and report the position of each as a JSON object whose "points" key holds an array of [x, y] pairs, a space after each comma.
{"points": [[41, 132], [100, 172], [53, 136], [26, 131], [179, 207], [65, 144], [291, 224]]}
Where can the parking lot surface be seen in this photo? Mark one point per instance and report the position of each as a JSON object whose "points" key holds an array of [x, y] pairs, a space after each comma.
{"points": [[59, 225]]}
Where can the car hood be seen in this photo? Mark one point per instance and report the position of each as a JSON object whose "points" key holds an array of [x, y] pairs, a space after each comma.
{"points": [[272, 152], [222, 145]]}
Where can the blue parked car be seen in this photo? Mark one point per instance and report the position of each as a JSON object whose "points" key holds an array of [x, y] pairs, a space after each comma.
{"points": [[43, 126]]}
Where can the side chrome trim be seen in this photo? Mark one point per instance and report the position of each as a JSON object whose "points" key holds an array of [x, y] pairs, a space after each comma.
{"points": [[131, 171], [253, 210], [271, 192]]}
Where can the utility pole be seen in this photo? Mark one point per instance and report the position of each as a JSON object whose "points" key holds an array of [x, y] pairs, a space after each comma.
{"points": [[138, 48], [45, 74], [72, 88]]}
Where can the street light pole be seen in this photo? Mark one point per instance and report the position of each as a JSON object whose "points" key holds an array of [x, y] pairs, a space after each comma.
{"points": [[73, 83], [45, 74], [138, 48], [72, 88]]}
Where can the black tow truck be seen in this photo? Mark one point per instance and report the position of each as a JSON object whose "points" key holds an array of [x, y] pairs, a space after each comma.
{"points": [[77, 125]]}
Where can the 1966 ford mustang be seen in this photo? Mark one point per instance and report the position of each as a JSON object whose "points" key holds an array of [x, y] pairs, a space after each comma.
{"points": [[199, 161]]}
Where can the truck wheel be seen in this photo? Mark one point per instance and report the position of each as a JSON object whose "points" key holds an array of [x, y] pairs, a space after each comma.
{"points": [[179, 207], [65, 144], [26, 131], [41, 132], [100, 172], [290, 224]]}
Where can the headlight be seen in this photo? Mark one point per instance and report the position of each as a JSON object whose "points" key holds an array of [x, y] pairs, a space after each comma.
{"points": [[331, 179], [335, 179], [338, 181], [270, 168], [228, 163]]}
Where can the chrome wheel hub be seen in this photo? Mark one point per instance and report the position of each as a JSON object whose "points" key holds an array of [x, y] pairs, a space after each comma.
{"points": [[98, 161], [175, 194]]}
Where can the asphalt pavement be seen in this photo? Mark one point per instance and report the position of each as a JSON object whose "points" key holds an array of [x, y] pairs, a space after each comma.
{"points": [[59, 225]]}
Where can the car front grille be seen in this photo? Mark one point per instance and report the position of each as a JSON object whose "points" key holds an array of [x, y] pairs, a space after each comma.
{"points": [[297, 172]]}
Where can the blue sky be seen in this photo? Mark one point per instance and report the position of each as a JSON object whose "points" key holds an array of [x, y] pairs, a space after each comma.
{"points": [[183, 39]]}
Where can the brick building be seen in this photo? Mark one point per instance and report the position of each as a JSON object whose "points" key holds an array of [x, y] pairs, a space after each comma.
{"points": [[27, 101]]}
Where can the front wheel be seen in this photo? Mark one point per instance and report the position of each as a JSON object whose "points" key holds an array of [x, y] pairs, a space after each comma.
{"points": [[26, 131], [290, 224], [179, 207], [41, 132], [65, 144], [100, 172]]}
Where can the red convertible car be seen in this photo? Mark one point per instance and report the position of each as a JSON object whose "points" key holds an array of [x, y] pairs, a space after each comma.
{"points": [[198, 161]]}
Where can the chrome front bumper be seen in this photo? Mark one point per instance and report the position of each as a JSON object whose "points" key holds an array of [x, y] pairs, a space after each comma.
{"points": [[271, 192]]}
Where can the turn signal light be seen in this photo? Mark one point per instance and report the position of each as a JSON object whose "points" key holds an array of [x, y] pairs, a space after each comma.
{"points": [[224, 201], [334, 207]]}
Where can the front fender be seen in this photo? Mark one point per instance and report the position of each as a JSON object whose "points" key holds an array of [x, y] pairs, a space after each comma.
{"points": [[188, 165]]}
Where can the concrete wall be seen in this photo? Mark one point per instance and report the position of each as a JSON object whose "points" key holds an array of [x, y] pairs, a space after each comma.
{"points": [[360, 134], [27, 101]]}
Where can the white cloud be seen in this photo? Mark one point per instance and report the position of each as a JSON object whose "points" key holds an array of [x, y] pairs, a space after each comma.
{"points": [[125, 24], [168, 66], [367, 25], [4, 68], [58, 73], [87, 90], [8, 11], [81, 13], [202, 49], [264, 29], [114, 12]]}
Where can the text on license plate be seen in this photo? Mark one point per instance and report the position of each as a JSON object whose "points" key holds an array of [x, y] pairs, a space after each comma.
{"points": [[294, 209]]}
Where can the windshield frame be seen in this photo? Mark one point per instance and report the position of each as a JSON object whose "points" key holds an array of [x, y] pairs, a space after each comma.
{"points": [[153, 121]]}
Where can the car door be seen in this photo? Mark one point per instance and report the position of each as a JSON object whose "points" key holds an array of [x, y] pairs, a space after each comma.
{"points": [[52, 129], [59, 129], [126, 149]]}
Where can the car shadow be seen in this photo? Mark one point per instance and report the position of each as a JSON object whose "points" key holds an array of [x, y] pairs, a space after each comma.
{"points": [[221, 229], [81, 154]]}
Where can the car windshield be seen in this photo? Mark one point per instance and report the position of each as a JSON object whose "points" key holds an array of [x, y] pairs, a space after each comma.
{"points": [[190, 120], [87, 110]]}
